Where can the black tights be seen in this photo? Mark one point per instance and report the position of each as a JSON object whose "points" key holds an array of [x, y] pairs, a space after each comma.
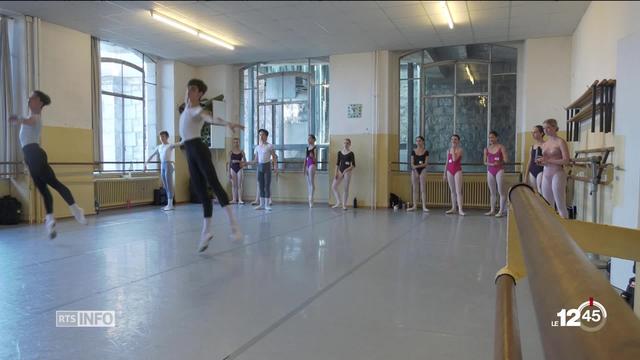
{"points": [[43, 175], [202, 172]]}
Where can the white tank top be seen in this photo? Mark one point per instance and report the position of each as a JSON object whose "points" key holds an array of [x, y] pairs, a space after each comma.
{"points": [[30, 134]]}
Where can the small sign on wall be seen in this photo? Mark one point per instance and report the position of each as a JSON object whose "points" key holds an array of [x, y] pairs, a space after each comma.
{"points": [[354, 111]]}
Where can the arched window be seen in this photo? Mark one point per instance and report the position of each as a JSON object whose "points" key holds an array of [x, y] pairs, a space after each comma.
{"points": [[291, 100], [469, 90], [128, 95]]}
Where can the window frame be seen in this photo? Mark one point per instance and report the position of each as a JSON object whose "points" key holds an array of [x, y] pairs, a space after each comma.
{"points": [[121, 168], [410, 143], [251, 138]]}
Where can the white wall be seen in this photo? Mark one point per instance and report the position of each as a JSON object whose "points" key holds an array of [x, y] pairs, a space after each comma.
{"points": [[547, 64], [626, 211], [166, 101], [352, 82], [594, 45], [65, 75], [597, 53]]}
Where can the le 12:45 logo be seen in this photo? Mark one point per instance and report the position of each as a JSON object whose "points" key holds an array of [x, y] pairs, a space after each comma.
{"points": [[589, 316]]}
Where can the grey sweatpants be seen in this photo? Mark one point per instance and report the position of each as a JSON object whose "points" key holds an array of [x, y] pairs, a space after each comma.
{"points": [[166, 172], [264, 179]]}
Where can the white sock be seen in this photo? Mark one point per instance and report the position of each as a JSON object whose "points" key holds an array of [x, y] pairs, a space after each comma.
{"points": [[49, 217], [207, 225]]}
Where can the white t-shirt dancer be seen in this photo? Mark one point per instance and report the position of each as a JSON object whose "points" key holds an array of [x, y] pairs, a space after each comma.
{"points": [[192, 119], [263, 153], [164, 152], [30, 134]]}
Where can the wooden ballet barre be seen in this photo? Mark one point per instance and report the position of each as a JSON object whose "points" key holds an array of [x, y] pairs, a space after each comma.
{"points": [[589, 151], [561, 276], [588, 180]]}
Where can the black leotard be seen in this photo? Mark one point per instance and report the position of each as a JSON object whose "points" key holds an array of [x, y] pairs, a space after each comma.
{"points": [[534, 168], [419, 160], [235, 161], [344, 161]]}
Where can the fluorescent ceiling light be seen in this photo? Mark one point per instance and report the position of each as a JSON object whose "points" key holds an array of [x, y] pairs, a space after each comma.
{"points": [[189, 29], [215, 41], [175, 24], [473, 81], [447, 13]]}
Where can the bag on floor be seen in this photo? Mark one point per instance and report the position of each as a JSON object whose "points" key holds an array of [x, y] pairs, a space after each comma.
{"points": [[159, 197], [10, 210], [394, 200]]}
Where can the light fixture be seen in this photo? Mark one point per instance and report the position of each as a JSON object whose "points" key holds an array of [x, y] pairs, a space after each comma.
{"points": [[166, 19], [447, 13], [473, 81]]}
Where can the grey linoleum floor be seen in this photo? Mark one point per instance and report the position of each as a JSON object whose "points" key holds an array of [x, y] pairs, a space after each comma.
{"points": [[303, 284]]}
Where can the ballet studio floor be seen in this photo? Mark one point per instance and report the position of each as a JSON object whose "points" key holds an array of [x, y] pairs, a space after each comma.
{"points": [[304, 284]]}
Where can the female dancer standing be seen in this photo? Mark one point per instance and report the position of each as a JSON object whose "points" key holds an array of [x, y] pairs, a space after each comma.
{"points": [[310, 167], [419, 159], [555, 154], [453, 174], [237, 159], [495, 155], [344, 166], [534, 173]]}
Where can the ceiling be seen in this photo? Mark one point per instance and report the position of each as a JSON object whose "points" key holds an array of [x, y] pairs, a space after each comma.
{"points": [[276, 30]]}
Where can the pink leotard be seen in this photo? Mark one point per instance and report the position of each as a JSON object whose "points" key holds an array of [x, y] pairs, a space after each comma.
{"points": [[453, 166], [497, 157]]}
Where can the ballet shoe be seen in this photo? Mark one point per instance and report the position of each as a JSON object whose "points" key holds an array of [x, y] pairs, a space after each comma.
{"points": [[205, 238]]}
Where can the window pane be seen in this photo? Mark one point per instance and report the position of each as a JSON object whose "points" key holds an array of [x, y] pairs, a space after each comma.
{"points": [[438, 129], [111, 77], [112, 132], [321, 113], [404, 123], [266, 118], [296, 124], [133, 132], [503, 60], [150, 117], [131, 81], [409, 118], [461, 52], [273, 89], [471, 125], [110, 50], [149, 70], [246, 117], [503, 112], [320, 73], [296, 87], [410, 66], [472, 78], [440, 80]]}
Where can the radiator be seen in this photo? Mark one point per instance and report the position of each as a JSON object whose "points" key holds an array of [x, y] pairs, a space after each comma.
{"points": [[124, 192], [474, 191]]}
